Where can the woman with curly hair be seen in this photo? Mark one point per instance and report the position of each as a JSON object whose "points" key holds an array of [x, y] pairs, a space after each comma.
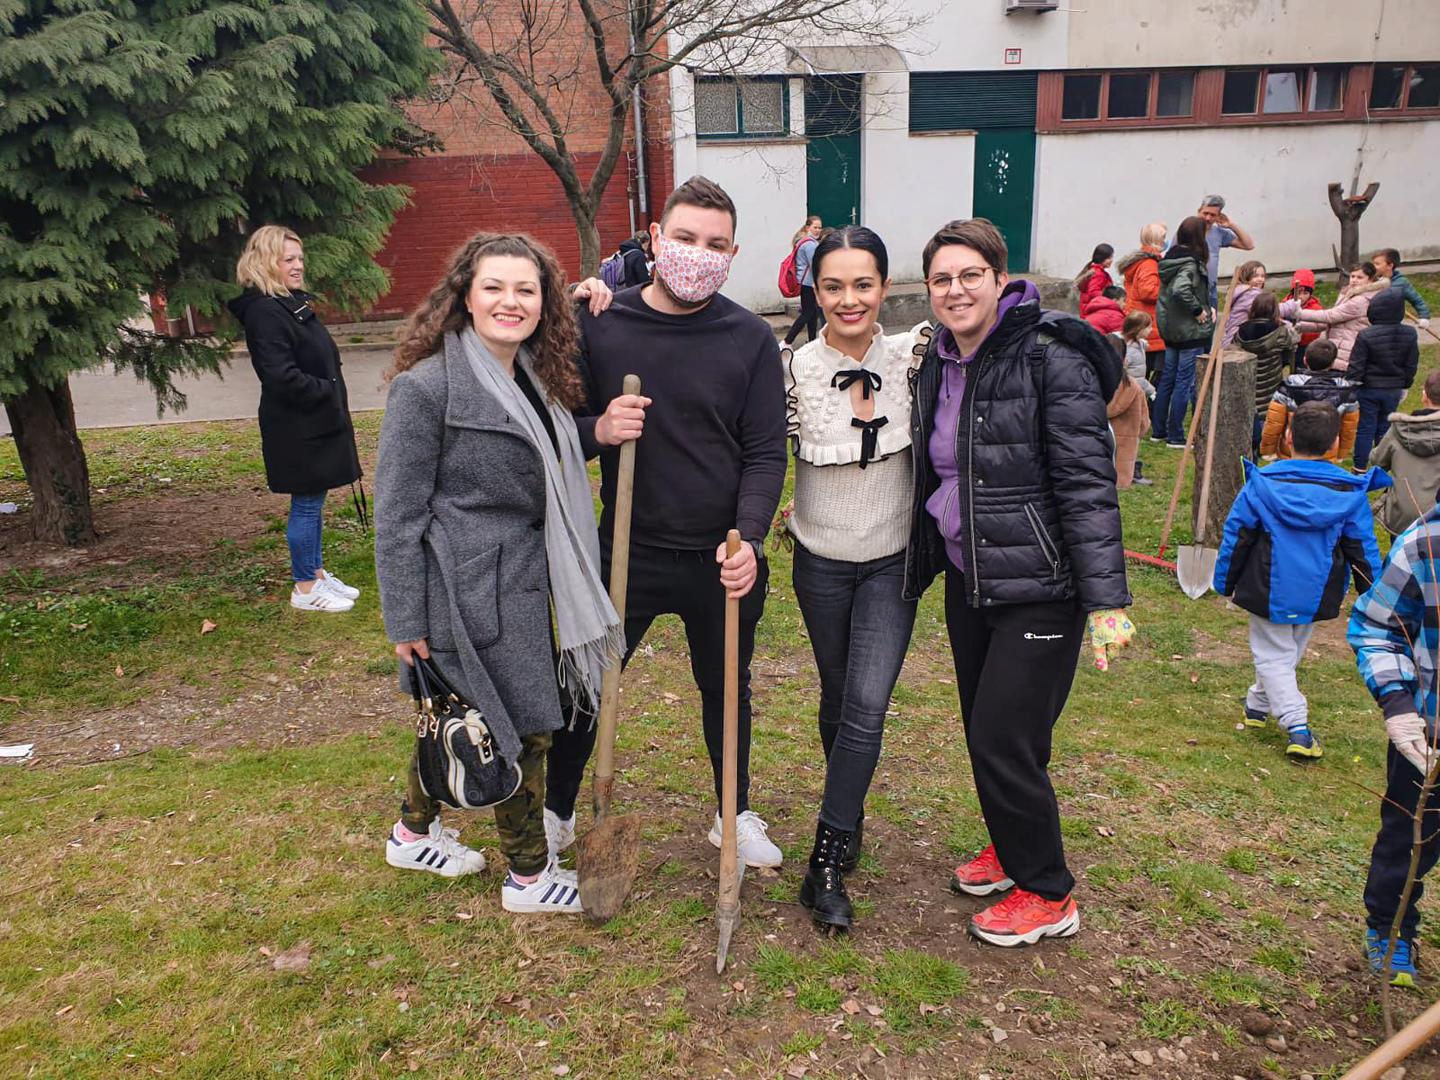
{"points": [[484, 525]]}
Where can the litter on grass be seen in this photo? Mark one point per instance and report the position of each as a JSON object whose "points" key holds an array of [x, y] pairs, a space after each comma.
{"points": [[17, 751]]}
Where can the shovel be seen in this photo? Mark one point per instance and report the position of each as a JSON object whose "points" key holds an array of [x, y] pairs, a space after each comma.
{"points": [[727, 906], [1195, 563], [1194, 428], [607, 856]]}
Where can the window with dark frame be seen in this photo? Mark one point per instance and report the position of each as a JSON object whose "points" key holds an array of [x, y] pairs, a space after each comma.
{"points": [[738, 108], [1081, 98]]}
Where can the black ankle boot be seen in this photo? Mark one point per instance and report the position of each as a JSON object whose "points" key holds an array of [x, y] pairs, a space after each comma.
{"points": [[823, 890], [852, 849]]}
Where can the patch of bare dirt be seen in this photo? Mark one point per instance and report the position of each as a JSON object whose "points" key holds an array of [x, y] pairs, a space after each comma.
{"points": [[274, 712], [165, 529]]}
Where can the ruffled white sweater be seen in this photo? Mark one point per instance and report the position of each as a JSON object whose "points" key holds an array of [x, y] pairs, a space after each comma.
{"points": [[852, 478]]}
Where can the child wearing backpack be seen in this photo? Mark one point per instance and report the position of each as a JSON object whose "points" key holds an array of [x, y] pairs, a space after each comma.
{"points": [[1320, 383], [1295, 528], [1271, 340], [1395, 639]]}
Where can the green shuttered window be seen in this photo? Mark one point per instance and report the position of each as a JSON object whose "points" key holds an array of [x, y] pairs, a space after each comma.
{"points": [[965, 101]]}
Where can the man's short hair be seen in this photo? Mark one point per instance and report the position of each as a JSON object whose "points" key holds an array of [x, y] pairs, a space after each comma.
{"points": [[1432, 387], [1314, 428], [1391, 255], [703, 192], [978, 233], [1113, 292], [1320, 354], [1217, 201]]}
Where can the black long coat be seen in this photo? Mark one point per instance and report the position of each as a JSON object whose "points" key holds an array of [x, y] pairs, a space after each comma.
{"points": [[306, 436]]}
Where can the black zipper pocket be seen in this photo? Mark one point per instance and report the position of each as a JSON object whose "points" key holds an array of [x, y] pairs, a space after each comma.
{"points": [[1042, 537]]}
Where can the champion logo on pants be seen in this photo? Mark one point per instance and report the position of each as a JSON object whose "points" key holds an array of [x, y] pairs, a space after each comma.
{"points": [[1043, 637]]}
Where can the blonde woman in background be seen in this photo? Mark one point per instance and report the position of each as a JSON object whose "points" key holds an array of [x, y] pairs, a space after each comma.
{"points": [[306, 436]]}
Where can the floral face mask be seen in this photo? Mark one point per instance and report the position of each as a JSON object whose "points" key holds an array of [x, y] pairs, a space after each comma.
{"points": [[693, 274]]}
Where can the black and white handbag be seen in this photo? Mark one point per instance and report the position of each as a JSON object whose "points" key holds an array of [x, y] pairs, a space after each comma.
{"points": [[459, 763]]}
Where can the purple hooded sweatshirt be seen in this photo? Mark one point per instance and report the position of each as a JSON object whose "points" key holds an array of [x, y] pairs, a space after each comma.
{"points": [[944, 504]]}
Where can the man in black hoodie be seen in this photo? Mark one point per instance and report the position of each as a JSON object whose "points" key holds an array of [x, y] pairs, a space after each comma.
{"points": [[1382, 365]]}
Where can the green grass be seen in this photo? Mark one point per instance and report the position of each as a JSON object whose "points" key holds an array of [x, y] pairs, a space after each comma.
{"points": [[136, 896]]}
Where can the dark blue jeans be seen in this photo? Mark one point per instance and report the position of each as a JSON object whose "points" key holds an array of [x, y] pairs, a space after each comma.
{"points": [[1390, 858], [302, 533], [1376, 405], [1172, 395], [859, 629]]}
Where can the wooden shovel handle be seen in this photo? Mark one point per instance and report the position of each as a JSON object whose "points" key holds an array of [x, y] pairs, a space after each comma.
{"points": [[1194, 427], [604, 776], [1217, 372], [729, 778]]}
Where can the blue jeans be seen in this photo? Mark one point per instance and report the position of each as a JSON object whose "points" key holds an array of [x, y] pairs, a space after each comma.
{"points": [[1376, 405], [859, 629], [1172, 395], [302, 533]]}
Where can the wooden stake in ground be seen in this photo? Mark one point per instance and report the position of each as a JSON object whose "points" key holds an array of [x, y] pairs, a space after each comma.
{"points": [[1398, 1047], [727, 905], [607, 856]]}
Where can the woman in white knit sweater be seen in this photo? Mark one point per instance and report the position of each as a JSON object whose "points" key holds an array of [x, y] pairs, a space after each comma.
{"points": [[848, 394]]}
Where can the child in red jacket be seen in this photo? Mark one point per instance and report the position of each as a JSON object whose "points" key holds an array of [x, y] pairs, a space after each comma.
{"points": [[1107, 311], [1092, 281], [1302, 288]]}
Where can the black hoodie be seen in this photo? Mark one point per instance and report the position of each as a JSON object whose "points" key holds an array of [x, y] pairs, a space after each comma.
{"points": [[1386, 352]]}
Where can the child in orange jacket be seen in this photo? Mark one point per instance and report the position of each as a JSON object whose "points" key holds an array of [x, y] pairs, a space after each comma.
{"points": [[1320, 383]]}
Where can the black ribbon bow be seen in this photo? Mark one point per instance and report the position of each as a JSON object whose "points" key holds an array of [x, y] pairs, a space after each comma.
{"points": [[870, 430], [870, 379]]}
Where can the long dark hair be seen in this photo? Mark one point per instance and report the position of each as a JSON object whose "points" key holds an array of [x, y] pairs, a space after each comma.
{"points": [[857, 237], [1098, 256], [1190, 239], [554, 344]]}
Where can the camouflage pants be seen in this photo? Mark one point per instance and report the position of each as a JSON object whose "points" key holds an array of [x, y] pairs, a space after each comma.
{"points": [[519, 819]]}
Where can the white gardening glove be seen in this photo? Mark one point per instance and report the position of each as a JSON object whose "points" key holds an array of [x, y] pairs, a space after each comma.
{"points": [[1407, 732]]}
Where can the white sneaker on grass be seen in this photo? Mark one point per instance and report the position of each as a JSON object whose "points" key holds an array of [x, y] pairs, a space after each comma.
{"points": [[440, 852], [756, 848], [555, 891], [319, 598], [336, 586], [559, 832]]}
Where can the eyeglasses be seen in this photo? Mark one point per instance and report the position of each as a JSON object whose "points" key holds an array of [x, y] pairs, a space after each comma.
{"points": [[969, 278]]}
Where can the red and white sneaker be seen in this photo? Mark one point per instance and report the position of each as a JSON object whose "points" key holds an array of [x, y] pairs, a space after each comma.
{"points": [[981, 876], [1023, 918]]}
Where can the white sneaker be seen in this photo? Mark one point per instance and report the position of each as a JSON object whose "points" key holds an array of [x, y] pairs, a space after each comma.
{"points": [[319, 598], [555, 890], [755, 846], [336, 586], [441, 852], [559, 832]]}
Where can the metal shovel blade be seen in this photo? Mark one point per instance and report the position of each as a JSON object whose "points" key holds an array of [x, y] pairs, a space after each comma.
{"points": [[727, 918], [606, 859], [1195, 567]]}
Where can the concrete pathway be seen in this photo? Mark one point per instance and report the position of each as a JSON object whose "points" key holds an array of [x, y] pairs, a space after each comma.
{"points": [[104, 399]]}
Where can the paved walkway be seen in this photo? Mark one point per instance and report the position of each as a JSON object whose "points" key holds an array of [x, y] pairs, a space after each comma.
{"points": [[104, 399]]}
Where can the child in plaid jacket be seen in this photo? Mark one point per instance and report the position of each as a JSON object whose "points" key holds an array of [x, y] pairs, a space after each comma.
{"points": [[1395, 635]]}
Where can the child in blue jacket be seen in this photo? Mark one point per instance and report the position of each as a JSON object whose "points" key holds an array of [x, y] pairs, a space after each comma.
{"points": [[1298, 531], [1396, 637]]}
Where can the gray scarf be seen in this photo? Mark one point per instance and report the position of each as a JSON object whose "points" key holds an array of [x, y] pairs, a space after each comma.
{"points": [[591, 637]]}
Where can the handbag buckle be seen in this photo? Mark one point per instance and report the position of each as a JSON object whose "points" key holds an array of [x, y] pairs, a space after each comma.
{"points": [[479, 735]]}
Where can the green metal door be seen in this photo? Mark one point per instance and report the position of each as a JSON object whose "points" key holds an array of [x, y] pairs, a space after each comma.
{"points": [[1005, 186], [832, 179], [832, 158]]}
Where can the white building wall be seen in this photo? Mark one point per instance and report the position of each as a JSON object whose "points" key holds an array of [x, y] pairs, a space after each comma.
{"points": [[1120, 33], [910, 184], [1104, 186], [973, 35]]}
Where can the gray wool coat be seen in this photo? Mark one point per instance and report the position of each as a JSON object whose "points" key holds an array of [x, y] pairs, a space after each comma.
{"points": [[460, 543]]}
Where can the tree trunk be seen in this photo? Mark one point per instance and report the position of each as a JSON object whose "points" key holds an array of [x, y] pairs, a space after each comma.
{"points": [[54, 462], [589, 234], [1234, 430], [1348, 212]]}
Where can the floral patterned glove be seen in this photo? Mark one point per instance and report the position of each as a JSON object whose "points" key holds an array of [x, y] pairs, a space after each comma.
{"points": [[1109, 631], [780, 534]]}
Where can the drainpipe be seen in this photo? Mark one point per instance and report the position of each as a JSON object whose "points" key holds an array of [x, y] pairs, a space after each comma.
{"points": [[638, 107]]}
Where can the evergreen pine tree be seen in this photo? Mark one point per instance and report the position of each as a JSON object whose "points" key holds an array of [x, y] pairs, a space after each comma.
{"points": [[139, 141]]}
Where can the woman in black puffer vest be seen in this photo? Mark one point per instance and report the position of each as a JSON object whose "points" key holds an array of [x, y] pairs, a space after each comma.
{"points": [[306, 436], [1015, 503]]}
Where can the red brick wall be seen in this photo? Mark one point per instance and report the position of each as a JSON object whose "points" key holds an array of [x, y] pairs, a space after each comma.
{"points": [[455, 196]]}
